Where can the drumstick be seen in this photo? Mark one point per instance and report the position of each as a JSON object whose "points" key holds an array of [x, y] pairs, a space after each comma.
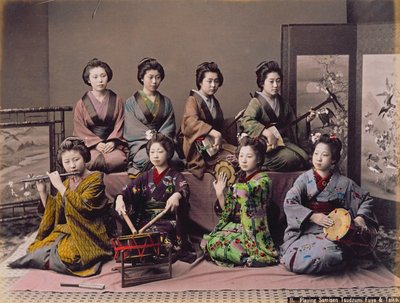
{"points": [[152, 221], [129, 222]]}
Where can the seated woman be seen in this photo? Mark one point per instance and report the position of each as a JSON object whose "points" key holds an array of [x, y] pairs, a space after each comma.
{"points": [[99, 120], [72, 237], [315, 193], [147, 111], [155, 190], [203, 117], [241, 236], [267, 108]]}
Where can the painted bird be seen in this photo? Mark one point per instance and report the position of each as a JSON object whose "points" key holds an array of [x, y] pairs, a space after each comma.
{"points": [[326, 115]]}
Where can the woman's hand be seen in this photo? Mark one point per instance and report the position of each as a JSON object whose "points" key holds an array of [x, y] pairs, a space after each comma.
{"points": [[311, 116], [55, 179], [220, 185], [41, 186], [360, 221], [272, 140], [109, 147], [217, 136], [321, 220], [120, 207], [173, 202], [100, 147]]}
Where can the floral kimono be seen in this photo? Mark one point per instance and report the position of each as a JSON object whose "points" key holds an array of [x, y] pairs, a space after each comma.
{"points": [[146, 196], [197, 122], [305, 248], [96, 122], [141, 117], [241, 236], [72, 237], [260, 114]]}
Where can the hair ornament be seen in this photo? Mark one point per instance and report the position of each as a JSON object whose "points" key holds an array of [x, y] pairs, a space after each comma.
{"points": [[260, 65], [146, 59], [150, 133], [315, 137], [333, 137]]}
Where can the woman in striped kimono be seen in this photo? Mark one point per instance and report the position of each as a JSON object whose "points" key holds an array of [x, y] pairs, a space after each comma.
{"points": [[72, 237], [99, 120], [147, 112]]}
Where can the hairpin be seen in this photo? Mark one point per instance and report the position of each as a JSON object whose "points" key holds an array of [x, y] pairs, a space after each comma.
{"points": [[260, 65], [146, 59]]}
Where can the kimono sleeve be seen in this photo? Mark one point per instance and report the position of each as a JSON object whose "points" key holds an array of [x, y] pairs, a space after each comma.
{"points": [[251, 119], [135, 189], [192, 125], [182, 187], [81, 130], [361, 203], [117, 133], [296, 213]]}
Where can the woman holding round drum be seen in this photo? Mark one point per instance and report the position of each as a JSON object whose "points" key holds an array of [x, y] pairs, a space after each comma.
{"points": [[310, 206]]}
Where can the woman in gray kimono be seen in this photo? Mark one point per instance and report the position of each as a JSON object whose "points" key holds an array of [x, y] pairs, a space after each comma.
{"points": [[267, 108], [147, 111], [313, 196]]}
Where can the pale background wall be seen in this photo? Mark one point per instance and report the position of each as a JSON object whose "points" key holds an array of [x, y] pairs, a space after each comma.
{"points": [[47, 45]]}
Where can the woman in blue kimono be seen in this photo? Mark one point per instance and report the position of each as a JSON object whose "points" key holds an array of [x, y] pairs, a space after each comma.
{"points": [[155, 190], [313, 196], [146, 111]]}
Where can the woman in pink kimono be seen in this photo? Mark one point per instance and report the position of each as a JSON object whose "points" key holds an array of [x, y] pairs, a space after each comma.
{"points": [[99, 120]]}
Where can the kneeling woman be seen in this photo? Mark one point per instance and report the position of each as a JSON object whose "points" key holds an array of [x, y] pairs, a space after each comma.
{"points": [[307, 204], [72, 237], [241, 236], [155, 190]]}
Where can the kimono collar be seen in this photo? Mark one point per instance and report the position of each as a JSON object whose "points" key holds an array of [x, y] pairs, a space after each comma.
{"points": [[321, 181], [158, 177], [243, 178], [273, 103]]}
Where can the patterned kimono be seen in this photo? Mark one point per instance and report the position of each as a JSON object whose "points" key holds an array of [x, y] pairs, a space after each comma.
{"points": [[141, 116], [72, 237], [146, 196], [259, 114], [197, 122], [241, 236], [96, 122], [305, 248]]}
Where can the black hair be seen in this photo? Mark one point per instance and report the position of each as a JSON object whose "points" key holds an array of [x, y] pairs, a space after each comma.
{"points": [[206, 67], [258, 144], [96, 63], [164, 141], [73, 143], [264, 68], [334, 144], [148, 64]]}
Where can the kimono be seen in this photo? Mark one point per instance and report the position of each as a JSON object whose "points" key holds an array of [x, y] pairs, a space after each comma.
{"points": [[241, 236], [96, 122], [305, 248], [146, 196], [72, 237], [258, 115], [141, 116], [197, 122]]}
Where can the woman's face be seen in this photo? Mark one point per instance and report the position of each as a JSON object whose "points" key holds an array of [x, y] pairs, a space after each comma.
{"points": [[73, 162], [247, 160], [272, 84], [98, 79], [151, 80], [210, 84], [158, 155], [322, 158]]}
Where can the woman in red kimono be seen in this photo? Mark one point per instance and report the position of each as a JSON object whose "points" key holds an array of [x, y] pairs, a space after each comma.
{"points": [[99, 120]]}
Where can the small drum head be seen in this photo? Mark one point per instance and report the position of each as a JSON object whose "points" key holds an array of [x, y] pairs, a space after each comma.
{"points": [[223, 166], [341, 225]]}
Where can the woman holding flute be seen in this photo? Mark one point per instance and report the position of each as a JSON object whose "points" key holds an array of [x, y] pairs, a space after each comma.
{"points": [[72, 237], [159, 190]]}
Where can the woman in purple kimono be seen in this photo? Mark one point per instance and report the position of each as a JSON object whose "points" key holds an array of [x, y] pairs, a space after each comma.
{"points": [[99, 120], [147, 111], [155, 190], [313, 196]]}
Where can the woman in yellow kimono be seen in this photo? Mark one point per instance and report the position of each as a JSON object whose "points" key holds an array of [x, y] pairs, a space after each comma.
{"points": [[72, 236]]}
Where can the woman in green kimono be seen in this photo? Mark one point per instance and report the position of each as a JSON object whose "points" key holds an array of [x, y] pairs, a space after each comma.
{"points": [[72, 237], [241, 236], [268, 108], [147, 111]]}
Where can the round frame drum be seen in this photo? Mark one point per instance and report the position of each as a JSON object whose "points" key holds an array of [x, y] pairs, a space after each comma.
{"points": [[344, 231]]}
